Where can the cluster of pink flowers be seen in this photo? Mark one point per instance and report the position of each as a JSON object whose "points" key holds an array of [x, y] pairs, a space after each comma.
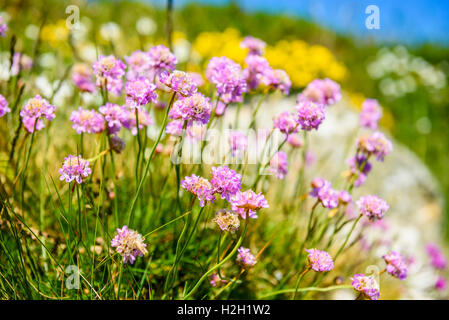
{"points": [[310, 114], [34, 110], [200, 187], [3, 106], [82, 78], [140, 92], [162, 59], [109, 72], [74, 168], [319, 260], [138, 65], [370, 114], [258, 71], [228, 78], [322, 190], [372, 207], [88, 121], [238, 142], [279, 165], [360, 167], [226, 182], [286, 122], [115, 116], [179, 82], [247, 203], [129, 244], [193, 108], [255, 46], [396, 265], [245, 258], [366, 285], [227, 220], [3, 28], [375, 144], [321, 91]]}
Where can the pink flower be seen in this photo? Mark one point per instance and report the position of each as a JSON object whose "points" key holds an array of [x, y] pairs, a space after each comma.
{"points": [[258, 69], [370, 114], [396, 265], [319, 260], [129, 244], [278, 80], [322, 190], [140, 92], [279, 165], [248, 203], [74, 168], [372, 207], [286, 122], [366, 285], [255, 46], [441, 284], [162, 59], [245, 258], [115, 116], [88, 121], [438, 260], [225, 182], [34, 110], [3, 106], [199, 187], [321, 91], [310, 115], [375, 144], [82, 78], [139, 64], [109, 72], [3, 28]]}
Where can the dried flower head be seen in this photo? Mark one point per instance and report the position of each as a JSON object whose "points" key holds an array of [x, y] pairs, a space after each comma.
{"points": [[129, 244], [227, 220]]}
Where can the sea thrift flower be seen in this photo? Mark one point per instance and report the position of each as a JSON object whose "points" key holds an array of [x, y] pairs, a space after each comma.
{"points": [[140, 92], [129, 244], [3, 106], [258, 69], [228, 78], [238, 142], [174, 128], [216, 281], [193, 108], [247, 203], [295, 140], [178, 81], [438, 260], [139, 64], [375, 144], [109, 71], [227, 220], [359, 166], [441, 284], [366, 285], [88, 121], [3, 28], [255, 46], [196, 78], [143, 117], [34, 110], [344, 197], [396, 265], [286, 122], [115, 116], [278, 79], [322, 189], [319, 261], [372, 207], [199, 187], [279, 164], [162, 59], [310, 115], [321, 91], [82, 77], [225, 182], [370, 114], [245, 258], [74, 168]]}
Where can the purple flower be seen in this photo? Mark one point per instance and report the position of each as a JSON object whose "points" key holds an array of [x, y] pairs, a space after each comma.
{"points": [[248, 202], [115, 116], [321, 91], [278, 80], [255, 46], [396, 265], [258, 69], [227, 220], [3, 28], [372, 207], [34, 110], [322, 190], [225, 182], [319, 261], [193, 108], [310, 115], [178, 81], [441, 284], [74, 168], [199, 187], [375, 144], [359, 166], [245, 258], [143, 117], [88, 121], [366, 285], [238, 142], [286, 122], [140, 92], [228, 78], [370, 114], [139, 65], [438, 260], [109, 72], [162, 59], [129, 244], [279, 164], [82, 77], [3, 106]]}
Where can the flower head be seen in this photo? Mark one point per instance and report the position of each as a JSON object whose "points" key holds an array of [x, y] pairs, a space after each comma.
{"points": [[138, 65], [258, 69], [174, 128], [200, 187], [322, 189], [193, 108], [115, 116], [396, 265], [372, 207], [74, 168], [162, 59], [279, 164], [238, 142], [225, 182], [322, 91], [129, 244], [278, 79], [227, 220], [370, 114], [82, 77], [109, 72], [255, 46], [310, 115], [360, 167], [248, 203], [3, 106], [245, 258], [140, 92], [34, 110], [88, 121], [286, 122], [366, 285], [375, 144], [319, 260], [178, 81], [438, 260]]}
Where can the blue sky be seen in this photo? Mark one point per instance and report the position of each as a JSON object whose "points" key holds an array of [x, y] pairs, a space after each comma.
{"points": [[411, 21]]}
